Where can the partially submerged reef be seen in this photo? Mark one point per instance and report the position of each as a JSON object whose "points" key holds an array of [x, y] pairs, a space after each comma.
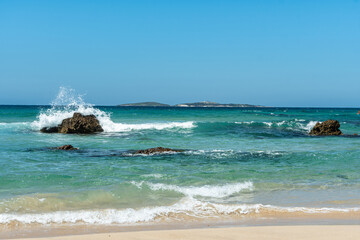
{"points": [[327, 128], [157, 150], [87, 124], [66, 147], [78, 123], [149, 151]]}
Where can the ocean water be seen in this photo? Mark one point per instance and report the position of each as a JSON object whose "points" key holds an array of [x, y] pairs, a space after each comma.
{"points": [[237, 162]]}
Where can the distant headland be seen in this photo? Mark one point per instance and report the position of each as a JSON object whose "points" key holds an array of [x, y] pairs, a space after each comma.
{"points": [[195, 104], [144, 104]]}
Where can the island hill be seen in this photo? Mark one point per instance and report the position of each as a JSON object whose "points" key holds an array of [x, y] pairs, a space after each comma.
{"points": [[196, 104], [144, 104]]}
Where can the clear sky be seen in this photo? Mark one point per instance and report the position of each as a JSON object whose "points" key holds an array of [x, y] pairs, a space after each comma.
{"points": [[270, 52]]}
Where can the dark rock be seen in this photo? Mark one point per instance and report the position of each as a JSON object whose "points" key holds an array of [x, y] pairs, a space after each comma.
{"points": [[157, 150], [329, 127], [342, 176], [67, 147], [50, 129], [78, 123]]}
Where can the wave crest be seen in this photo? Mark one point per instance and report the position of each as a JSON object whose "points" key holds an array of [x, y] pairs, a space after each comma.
{"points": [[67, 103], [295, 125], [181, 210], [215, 191]]}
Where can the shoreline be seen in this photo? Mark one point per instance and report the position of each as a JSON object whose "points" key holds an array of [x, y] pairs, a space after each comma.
{"points": [[318, 232], [61, 231], [251, 169]]}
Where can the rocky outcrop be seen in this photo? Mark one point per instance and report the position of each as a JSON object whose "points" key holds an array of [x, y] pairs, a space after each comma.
{"points": [[78, 123], [67, 147], [157, 150], [327, 128]]}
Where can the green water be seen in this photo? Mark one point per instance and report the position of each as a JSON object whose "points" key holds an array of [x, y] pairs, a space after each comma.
{"points": [[235, 159]]}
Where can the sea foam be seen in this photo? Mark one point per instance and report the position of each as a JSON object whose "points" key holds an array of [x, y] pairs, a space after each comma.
{"points": [[67, 103], [215, 191], [294, 124], [187, 206], [181, 210]]}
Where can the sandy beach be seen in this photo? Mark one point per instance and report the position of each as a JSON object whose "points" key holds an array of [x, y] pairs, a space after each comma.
{"points": [[318, 232], [179, 120]]}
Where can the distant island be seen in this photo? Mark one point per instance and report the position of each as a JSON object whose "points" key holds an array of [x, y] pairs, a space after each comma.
{"points": [[144, 104], [195, 104]]}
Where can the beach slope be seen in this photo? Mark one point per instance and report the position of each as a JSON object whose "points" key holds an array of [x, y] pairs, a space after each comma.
{"points": [[328, 232]]}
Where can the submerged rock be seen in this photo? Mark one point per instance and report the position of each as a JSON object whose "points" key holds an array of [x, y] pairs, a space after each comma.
{"points": [[67, 147], [327, 128], [50, 129], [358, 112], [78, 123], [157, 150]]}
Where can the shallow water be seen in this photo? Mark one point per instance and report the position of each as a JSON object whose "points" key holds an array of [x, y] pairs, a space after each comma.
{"points": [[237, 161]]}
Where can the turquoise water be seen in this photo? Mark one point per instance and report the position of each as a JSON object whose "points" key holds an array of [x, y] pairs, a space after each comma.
{"points": [[237, 161]]}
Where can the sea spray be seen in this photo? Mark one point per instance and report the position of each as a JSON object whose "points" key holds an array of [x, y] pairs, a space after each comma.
{"points": [[68, 102], [64, 106]]}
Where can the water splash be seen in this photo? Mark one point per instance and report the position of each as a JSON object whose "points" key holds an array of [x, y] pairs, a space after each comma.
{"points": [[64, 106], [68, 102]]}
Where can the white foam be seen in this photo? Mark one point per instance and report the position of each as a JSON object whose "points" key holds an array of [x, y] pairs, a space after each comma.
{"points": [[154, 175], [269, 124], [247, 123], [67, 103], [185, 207], [219, 154], [122, 127], [296, 124], [215, 191], [13, 124], [310, 125]]}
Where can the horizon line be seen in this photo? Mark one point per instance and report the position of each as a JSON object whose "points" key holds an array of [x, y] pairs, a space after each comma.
{"points": [[255, 106]]}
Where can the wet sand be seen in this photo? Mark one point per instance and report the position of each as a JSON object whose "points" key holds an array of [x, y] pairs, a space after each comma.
{"points": [[318, 232]]}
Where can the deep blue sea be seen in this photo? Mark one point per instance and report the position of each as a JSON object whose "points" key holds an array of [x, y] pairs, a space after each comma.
{"points": [[237, 162]]}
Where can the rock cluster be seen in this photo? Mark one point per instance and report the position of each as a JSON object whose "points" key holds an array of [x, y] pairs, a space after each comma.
{"points": [[327, 128], [78, 123], [157, 150], [67, 147]]}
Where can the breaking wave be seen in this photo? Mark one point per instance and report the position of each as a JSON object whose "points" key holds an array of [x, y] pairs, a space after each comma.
{"points": [[218, 153], [216, 191], [122, 127], [68, 102], [295, 124], [13, 124], [186, 209]]}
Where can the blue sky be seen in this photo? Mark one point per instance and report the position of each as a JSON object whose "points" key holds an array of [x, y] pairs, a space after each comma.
{"points": [[275, 53]]}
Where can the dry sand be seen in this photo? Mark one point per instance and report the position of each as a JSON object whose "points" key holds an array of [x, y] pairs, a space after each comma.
{"points": [[318, 232]]}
